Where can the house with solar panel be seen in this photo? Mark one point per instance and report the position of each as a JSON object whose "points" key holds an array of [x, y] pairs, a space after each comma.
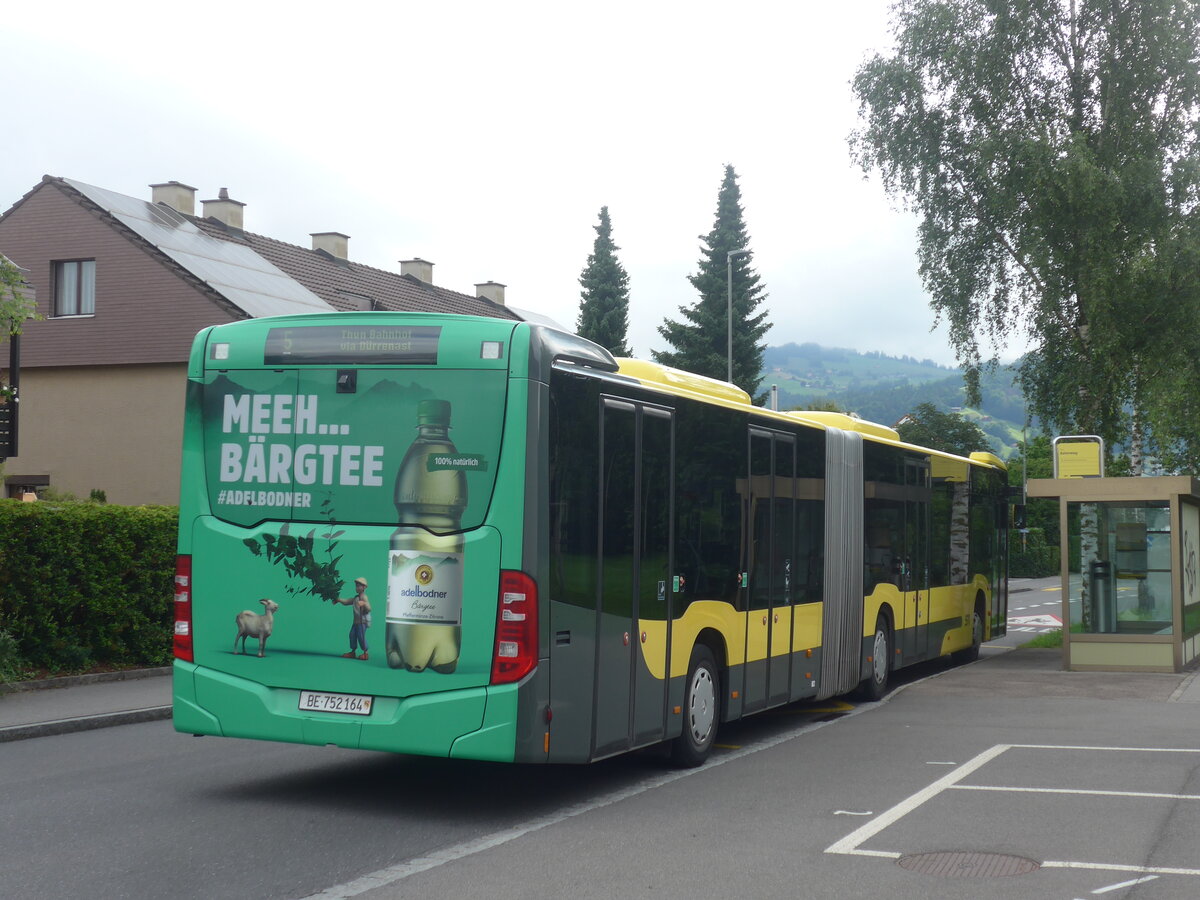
{"points": [[123, 285]]}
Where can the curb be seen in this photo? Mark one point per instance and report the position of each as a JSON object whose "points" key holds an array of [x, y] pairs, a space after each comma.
{"points": [[63, 681], [83, 723]]}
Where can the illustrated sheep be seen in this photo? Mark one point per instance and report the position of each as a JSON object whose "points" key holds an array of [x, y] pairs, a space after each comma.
{"points": [[252, 624]]}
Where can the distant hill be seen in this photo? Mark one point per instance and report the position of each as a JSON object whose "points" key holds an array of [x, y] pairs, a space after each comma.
{"points": [[883, 388]]}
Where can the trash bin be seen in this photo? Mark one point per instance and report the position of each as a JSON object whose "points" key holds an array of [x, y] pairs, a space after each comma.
{"points": [[1103, 599]]}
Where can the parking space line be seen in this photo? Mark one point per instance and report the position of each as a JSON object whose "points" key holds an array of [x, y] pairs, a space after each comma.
{"points": [[850, 843], [1029, 790], [1114, 749], [1117, 867], [1124, 884]]}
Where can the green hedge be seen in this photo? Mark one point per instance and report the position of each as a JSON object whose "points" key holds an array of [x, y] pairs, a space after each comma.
{"points": [[1038, 560], [85, 585]]}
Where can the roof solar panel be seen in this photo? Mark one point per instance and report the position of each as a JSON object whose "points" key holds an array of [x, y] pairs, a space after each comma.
{"points": [[246, 279]]}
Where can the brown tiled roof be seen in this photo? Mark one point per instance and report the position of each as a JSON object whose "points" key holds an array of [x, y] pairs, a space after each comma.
{"points": [[347, 285]]}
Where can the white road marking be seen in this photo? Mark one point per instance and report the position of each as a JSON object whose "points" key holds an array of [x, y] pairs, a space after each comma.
{"points": [[1124, 884], [1113, 867], [392, 874], [1110, 749], [1029, 790], [850, 812], [1044, 620], [852, 843]]}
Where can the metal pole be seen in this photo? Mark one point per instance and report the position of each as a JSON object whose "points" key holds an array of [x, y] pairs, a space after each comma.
{"points": [[729, 311], [729, 305], [1025, 477], [14, 408]]}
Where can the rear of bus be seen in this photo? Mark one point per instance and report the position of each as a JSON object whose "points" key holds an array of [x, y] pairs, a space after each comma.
{"points": [[353, 496]]}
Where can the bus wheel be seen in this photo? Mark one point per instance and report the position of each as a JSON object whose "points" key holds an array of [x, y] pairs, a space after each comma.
{"points": [[700, 710], [875, 685], [970, 654]]}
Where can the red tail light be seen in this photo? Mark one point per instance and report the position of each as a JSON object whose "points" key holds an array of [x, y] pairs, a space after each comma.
{"points": [[183, 609], [516, 650]]}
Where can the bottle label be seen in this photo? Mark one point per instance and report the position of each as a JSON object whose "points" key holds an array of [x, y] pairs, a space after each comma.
{"points": [[425, 588]]}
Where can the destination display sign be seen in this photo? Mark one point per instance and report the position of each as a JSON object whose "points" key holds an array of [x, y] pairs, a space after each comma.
{"points": [[367, 345]]}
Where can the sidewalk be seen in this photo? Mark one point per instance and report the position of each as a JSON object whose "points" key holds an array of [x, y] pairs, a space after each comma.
{"points": [[78, 703]]}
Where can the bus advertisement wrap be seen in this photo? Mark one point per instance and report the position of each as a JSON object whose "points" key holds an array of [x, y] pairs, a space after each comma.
{"points": [[333, 486]]}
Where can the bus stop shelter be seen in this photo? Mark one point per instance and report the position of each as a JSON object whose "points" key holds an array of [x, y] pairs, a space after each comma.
{"points": [[1130, 571]]}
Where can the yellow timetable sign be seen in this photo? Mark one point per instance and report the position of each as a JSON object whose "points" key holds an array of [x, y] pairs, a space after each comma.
{"points": [[1079, 456]]}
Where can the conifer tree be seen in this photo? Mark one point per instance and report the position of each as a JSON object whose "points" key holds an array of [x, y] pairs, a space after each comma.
{"points": [[701, 340], [604, 312]]}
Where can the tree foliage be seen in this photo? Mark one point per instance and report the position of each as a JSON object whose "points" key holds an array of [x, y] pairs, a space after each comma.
{"points": [[701, 340], [604, 312], [823, 405], [929, 427], [1034, 553], [15, 308], [1050, 150]]}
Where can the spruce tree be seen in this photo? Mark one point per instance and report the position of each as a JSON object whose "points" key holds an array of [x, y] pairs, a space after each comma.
{"points": [[604, 312], [701, 341]]}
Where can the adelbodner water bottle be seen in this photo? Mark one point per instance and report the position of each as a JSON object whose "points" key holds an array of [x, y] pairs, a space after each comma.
{"points": [[425, 562]]}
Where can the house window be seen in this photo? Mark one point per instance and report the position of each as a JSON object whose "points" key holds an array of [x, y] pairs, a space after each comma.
{"points": [[75, 287]]}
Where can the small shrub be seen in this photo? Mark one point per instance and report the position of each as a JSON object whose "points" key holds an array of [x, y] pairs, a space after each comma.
{"points": [[51, 494], [11, 663]]}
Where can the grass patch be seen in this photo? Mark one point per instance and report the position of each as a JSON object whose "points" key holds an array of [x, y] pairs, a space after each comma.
{"points": [[1049, 640]]}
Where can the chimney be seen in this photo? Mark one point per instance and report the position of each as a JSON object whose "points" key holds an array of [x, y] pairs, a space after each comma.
{"points": [[418, 269], [226, 211], [491, 290], [180, 197], [334, 243]]}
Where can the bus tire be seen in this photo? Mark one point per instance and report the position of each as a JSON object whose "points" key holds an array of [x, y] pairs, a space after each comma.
{"points": [[970, 654], [875, 685], [701, 708]]}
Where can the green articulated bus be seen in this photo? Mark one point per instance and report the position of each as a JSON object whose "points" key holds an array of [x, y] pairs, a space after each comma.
{"points": [[488, 539]]}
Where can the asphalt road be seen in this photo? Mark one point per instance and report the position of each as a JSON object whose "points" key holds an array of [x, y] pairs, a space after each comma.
{"points": [[1034, 607], [1094, 778]]}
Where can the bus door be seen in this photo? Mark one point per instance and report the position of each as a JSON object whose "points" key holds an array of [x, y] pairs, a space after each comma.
{"points": [[770, 550], [636, 493], [917, 544]]}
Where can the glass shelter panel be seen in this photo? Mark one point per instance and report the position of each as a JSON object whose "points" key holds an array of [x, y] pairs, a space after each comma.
{"points": [[1121, 574]]}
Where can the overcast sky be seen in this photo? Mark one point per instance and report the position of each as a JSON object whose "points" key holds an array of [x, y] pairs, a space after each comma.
{"points": [[485, 137]]}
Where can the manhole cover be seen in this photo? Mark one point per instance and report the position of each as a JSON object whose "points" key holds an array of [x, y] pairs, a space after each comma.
{"points": [[967, 864]]}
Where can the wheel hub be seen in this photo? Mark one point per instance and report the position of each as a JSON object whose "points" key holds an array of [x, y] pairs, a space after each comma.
{"points": [[880, 657], [702, 711]]}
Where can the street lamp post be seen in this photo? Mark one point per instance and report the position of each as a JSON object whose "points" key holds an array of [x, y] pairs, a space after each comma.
{"points": [[729, 303]]}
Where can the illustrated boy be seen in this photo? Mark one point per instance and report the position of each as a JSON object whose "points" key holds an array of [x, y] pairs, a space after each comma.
{"points": [[362, 618]]}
